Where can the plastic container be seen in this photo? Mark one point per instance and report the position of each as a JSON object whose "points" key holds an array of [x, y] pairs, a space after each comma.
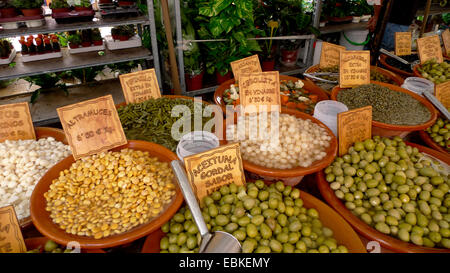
{"points": [[196, 142], [354, 39], [342, 231], [367, 231], [418, 85], [327, 110]]}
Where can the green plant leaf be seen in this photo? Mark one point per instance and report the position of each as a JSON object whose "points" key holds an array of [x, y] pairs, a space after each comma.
{"points": [[35, 95]]}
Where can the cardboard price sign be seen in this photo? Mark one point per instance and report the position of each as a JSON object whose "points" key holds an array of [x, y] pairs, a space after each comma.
{"points": [[140, 86], [402, 43], [430, 48], [329, 55], [259, 91], [11, 239], [246, 65], [354, 125], [15, 122], [442, 93], [210, 170], [354, 68], [92, 126], [446, 39]]}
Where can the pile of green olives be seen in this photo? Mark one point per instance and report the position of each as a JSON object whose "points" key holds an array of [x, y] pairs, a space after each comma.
{"points": [[50, 247], [435, 72], [263, 218], [440, 133], [395, 189]]}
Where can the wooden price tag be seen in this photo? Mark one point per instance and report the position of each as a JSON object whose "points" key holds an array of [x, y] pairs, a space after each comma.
{"points": [[246, 65], [210, 170], [446, 39], [11, 239], [442, 93], [15, 122], [402, 43], [140, 86], [92, 126], [354, 125], [329, 55], [430, 48], [354, 68], [260, 89]]}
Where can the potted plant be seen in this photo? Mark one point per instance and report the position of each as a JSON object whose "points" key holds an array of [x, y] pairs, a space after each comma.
{"points": [[105, 1], [28, 7], [96, 37], [5, 48], [86, 38], [59, 6], [337, 10], [269, 49], [367, 11], [126, 3], [356, 11], [74, 40], [192, 57], [123, 33], [83, 5], [7, 10]]}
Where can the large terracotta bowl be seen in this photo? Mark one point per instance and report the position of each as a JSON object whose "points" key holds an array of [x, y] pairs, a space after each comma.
{"points": [[400, 72], [297, 172], [342, 231], [430, 142], [39, 242], [44, 224], [44, 132], [367, 231], [388, 130], [218, 94]]}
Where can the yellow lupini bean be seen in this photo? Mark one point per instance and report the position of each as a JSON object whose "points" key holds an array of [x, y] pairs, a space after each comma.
{"points": [[110, 193]]}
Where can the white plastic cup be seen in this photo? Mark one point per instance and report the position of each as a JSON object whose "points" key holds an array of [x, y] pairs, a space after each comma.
{"points": [[196, 142], [418, 85], [327, 110]]}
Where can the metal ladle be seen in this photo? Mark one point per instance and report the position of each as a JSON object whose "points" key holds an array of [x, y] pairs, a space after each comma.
{"points": [[217, 242]]}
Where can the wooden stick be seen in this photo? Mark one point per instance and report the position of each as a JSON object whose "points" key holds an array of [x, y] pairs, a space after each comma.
{"points": [[169, 37], [425, 18]]}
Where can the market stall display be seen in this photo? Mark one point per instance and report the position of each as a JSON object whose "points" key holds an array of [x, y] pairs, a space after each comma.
{"points": [[23, 163], [392, 108], [437, 136], [107, 197], [264, 218], [393, 192], [433, 71], [398, 67]]}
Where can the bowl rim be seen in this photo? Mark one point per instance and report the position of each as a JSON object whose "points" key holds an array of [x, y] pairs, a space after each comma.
{"points": [[429, 141], [309, 201], [42, 222], [418, 127], [42, 239], [383, 59], [297, 171], [364, 229]]}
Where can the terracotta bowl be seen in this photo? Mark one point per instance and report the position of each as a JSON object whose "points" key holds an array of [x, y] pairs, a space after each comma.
{"points": [[342, 231], [367, 231], [44, 132], [44, 224], [388, 130], [416, 71], [400, 72], [298, 172], [430, 142], [218, 94], [39, 242]]}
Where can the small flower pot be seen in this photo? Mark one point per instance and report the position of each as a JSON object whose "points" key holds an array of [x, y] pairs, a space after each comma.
{"points": [[123, 38], [365, 18], [356, 19], [8, 13], [58, 10], [221, 79], [72, 45], [105, 1], [268, 65], [289, 56], [115, 36], [194, 82], [97, 43], [82, 8], [323, 23], [31, 12], [86, 44], [126, 3]]}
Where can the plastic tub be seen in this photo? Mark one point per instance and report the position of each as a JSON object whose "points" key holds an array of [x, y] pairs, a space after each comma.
{"points": [[196, 142], [354, 39], [389, 130], [342, 231], [327, 110], [367, 231], [418, 85]]}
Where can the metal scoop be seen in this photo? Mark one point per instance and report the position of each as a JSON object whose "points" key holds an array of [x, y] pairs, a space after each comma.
{"points": [[217, 242], [315, 76]]}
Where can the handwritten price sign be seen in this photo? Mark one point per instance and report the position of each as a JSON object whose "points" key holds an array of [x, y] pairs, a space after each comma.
{"points": [[140, 86], [15, 122], [402, 43], [246, 65], [330, 55], [354, 68], [11, 239], [430, 48], [260, 89]]}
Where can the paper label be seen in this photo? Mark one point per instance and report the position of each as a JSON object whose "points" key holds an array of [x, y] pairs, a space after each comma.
{"points": [[354, 68], [329, 56], [92, 126], [210, 170], [260, 89], [11, 239], [430, 48], [15, 122], [245, 66], [354, 125], [402, 43], [442, 93], [140, 86], [446, 39]]}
